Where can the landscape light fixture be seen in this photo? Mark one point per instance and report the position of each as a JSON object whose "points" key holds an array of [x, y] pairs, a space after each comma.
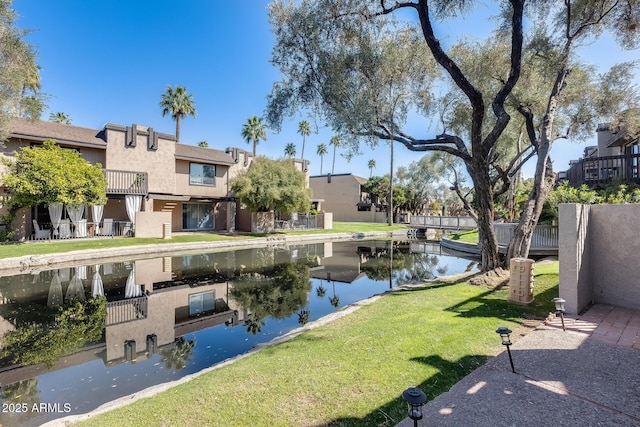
{"points": [[415, 399], [506, 341], [559, 302]]}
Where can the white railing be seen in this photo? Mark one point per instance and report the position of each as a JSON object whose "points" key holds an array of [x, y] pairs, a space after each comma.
{"points": [[68, 230], [443, 222], [544, 236]]}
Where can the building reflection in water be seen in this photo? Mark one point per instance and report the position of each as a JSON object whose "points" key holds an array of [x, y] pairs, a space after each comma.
{"points": [[155, 306]]}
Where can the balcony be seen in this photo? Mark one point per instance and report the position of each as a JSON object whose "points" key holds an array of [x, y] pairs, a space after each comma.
{"points": [[126, 182], [597, 171]]}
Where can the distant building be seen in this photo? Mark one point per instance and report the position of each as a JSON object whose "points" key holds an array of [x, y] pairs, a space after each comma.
{"points": [[189, 184], [344, 195], [614, 159]]}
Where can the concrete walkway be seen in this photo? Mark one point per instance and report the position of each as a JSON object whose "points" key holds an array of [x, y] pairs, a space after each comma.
{"points": [[586, 376]]}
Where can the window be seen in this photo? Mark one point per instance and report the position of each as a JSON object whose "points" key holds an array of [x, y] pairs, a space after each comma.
{"points": [[197, 216], [202, 174], [201, 303]]}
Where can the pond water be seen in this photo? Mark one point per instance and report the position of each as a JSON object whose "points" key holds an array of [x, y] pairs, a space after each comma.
{"points": [[75, 338]]}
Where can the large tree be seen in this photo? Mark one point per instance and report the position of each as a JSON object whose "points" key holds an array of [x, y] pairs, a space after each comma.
{"points": [[322, 48], [60, 117], [254, 130], [177, 103], [48, 174], [321, 151], [304, 129], [272, 185], [19, 74]]}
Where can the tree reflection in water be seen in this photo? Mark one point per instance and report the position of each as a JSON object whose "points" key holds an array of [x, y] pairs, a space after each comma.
{"points": [[396, 261], [177, 354], [59, 331], [276, 292]]}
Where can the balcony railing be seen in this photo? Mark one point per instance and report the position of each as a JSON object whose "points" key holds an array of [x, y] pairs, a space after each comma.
{"points": [[594, 171], [126, 182], [126, 310]]}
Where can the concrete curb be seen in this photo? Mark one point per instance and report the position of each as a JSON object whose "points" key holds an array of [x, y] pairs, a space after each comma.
{"points": [[35, 263]]}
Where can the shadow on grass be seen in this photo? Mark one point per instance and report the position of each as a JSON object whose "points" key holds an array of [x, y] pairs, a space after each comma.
{"points": [[395, 410]]}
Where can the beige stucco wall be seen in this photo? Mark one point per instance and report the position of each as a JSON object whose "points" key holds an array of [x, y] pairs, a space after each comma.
{"points": [[151, 224], [341, 196], [184, 187], [598, 255], [159, 164]]}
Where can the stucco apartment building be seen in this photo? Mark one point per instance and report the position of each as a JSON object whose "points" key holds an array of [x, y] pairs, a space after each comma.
{"points": [[189, 185], [615, 158], [344, 195]]}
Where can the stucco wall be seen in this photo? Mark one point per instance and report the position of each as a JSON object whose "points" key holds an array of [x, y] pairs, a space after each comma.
{"points": [[159, 164], [598, 255], [340, 195], [614, 243], [184, 187], [150, 224]]}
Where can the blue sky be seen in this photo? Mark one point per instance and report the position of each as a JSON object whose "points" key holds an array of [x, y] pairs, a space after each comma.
{"points": [[110, 61]]}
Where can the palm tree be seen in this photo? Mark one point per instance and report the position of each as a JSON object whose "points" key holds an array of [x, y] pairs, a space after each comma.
{"points": [[335, 141], [305, 130], [290, 150], [203, 144], [254, 130], [60, 117], [371, 164], [322, 150], [178, 103]]}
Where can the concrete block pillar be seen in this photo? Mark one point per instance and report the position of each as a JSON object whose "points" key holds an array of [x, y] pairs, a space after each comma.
{"points": [[573, 253], [521, 280]]}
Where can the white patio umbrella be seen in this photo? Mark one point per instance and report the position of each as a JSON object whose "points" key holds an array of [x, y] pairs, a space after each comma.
{"points": [[55, 213], [55, 292], [75, 289], [131, 290], [97, 288]]}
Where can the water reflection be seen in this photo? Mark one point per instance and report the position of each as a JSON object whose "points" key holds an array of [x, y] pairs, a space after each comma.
{"points": [[85, 335]]}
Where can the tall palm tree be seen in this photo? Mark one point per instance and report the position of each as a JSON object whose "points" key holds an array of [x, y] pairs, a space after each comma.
{"points": [[335, 141], [178, 103], [305, 130], [371, 164], [290, 150], [203, 144], [322, 150], [254, 130], [60, 117]]}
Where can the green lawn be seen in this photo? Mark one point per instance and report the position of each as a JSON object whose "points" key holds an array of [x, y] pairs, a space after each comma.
{"points": [[470, 236], [50, 247], [352, 371]]}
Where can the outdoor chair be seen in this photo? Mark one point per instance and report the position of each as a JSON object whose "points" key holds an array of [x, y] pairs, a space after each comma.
{"points": [[39, 233]]}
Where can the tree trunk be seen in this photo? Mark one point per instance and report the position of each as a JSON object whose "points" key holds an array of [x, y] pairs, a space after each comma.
{"points": [[390, 218], [177, 128], [485, 211], [543, 184]]}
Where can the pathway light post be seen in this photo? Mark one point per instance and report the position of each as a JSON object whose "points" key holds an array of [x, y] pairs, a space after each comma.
{"points": [[505, 334], [559, 302], [415, 399]]}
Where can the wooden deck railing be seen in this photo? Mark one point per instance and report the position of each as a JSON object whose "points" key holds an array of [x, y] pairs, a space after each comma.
{"points": [[126, 310], [126, 182], [594, 171]]}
